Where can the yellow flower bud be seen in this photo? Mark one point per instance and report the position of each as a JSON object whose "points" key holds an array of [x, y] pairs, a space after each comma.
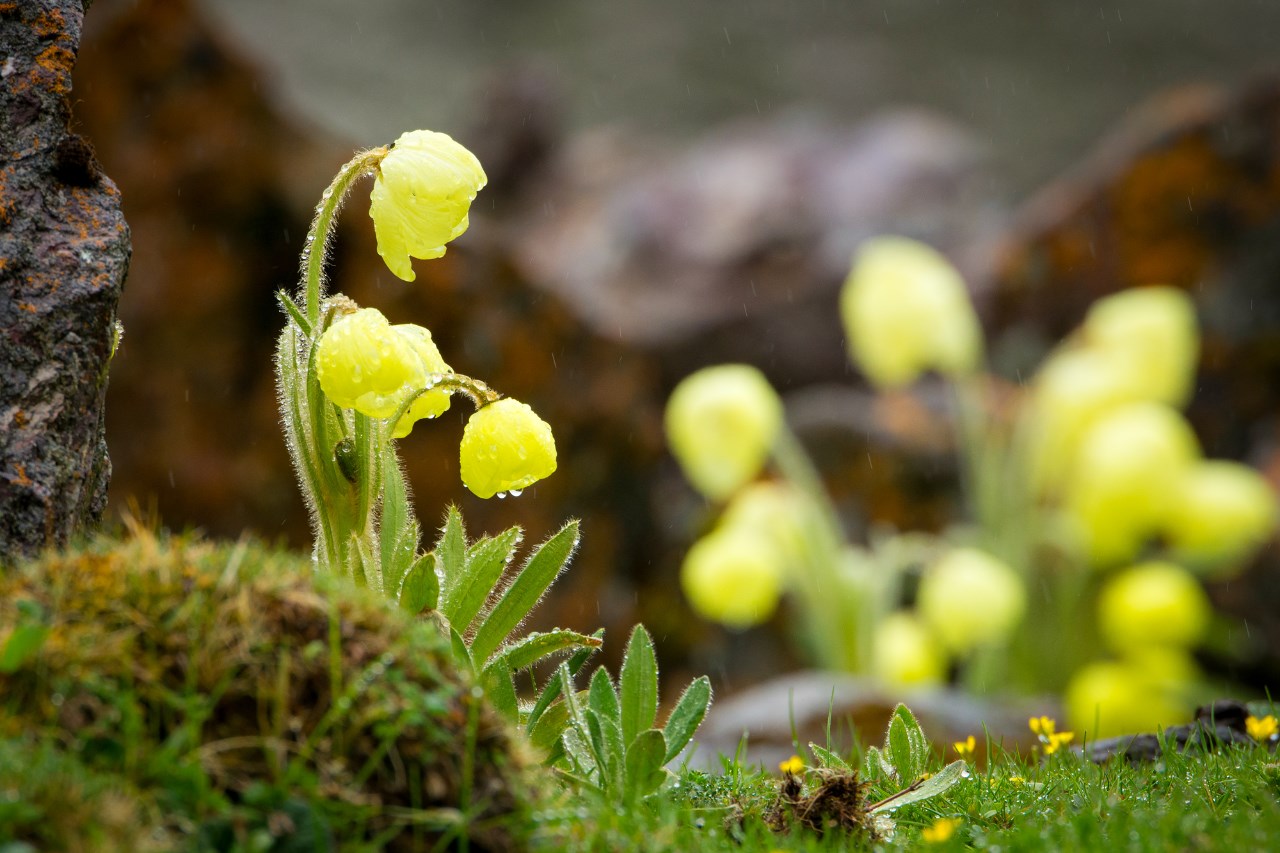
{"points": [[777, 511], [363, 365], [1071, 390], [1155, 327], [1111, 698], [969, 598], [1123, 476], [505, 448], [732, 576], [1221, 513], [906, 310], [721, 423], [431, 404], [1153, 604], [905, 652], [421, 197]]}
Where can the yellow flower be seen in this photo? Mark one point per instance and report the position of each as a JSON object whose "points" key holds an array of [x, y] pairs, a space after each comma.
{"points": [[940, 830], [732, 577], [970, 598], [1017, 780], [905, 652], [793, 765], [965, 748], [365, 363], [1221, 513], [906, 310], [721, 423], [1263, 729], [1155, 328], [1110, 698], [505, 448], [1042, 726], [430, 404], [1153, 604], [1124, 474], [777, 510], [1046, 729], [421, 196]]}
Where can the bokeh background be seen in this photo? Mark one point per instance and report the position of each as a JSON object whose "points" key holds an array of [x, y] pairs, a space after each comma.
{"points": [[673, 184]]}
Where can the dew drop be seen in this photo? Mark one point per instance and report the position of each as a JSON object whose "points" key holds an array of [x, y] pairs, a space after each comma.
{"points": [[515, 493], [501, 495]]}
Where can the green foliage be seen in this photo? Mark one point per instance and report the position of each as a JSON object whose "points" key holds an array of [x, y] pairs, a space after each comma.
{"points": [[609, 743]]}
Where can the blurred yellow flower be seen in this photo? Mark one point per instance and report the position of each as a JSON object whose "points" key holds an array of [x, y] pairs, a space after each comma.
{"points": [[1153, 604], [905, 652], [1109, 698], [778, 511], [793, 765], [1123, 477], [421, 197], [1220, 514], [1155, 328], [505, 448], [969, 598], [906, 310], [965, 748], [1046, 729], [1261, 729], [721, 423], [1072, 389], [940, 830], [365, 363], [732, 577]]}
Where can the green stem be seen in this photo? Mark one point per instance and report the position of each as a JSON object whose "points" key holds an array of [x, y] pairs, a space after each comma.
{"points": [[313, 254]]}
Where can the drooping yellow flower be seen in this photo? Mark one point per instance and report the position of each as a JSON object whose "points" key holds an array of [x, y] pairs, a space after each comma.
{"points": [[1123, 477], [793, 765], [721, 423], [732, 576], [940, 830], [904, 652], [969, 598], [421, 197], [505, 448], [1261, 729], [778, 511], [1153, 604], [1221, 513], [1155, 328], [1147, 694], [365, 363], [906, 310]]}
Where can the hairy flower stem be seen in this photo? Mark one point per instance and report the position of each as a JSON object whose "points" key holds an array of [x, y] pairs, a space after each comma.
{"points": [[317, 245]]}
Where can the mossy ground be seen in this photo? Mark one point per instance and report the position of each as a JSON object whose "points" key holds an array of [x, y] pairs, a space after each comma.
{"points": [[163, 692]]}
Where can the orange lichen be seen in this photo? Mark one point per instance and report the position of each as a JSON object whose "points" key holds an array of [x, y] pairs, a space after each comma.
{"points": [[27, 306], [21, 478]]}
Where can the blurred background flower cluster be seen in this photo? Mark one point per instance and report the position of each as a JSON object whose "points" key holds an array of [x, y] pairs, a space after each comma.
{"points": [[676, 186]]}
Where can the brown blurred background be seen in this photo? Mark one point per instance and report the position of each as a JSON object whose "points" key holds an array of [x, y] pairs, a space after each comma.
{"points": [[675, 184]]}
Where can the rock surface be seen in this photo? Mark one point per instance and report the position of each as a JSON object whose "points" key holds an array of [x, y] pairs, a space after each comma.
{"points": [[64, 249]]}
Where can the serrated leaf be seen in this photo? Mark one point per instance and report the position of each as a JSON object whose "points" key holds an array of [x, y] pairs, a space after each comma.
{"points": [[538, 573], [638, 685], [924, 789], [22, 645], [552, 688], [827, 758], [601, 696], [420, 589], [451, 549], [501, 690], [484, 564], [687, 716], [645, 770], [538, 645]]}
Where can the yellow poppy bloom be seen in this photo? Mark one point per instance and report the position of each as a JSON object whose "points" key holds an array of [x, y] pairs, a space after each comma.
{"points": [[505, 448]]}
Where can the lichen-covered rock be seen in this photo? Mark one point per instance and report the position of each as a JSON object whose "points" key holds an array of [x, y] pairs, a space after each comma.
{"points": [[184, 690]]}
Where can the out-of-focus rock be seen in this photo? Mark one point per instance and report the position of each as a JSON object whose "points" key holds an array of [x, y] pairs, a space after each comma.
{"points": [[64, 250], [804, 706]]}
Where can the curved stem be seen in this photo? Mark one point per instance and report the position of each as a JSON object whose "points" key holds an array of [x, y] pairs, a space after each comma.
{"points": [[313, 254]]}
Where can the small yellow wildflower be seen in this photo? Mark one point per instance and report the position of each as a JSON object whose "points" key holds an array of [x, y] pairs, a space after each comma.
{"points": [[1017, 780], [1263, 729], [1057, 740], [793, 765], [964, 748], [941, 830], [721, 423], [421, 198], [505, 448], [1047, 730]]}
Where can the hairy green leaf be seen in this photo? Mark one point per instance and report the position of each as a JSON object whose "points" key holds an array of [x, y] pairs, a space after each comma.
{"points": [[687, 716], [420, 589], [646, 757], [484, 564], [638, 684]]}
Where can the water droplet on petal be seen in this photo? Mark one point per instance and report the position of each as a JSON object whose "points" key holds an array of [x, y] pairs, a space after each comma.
{"points": [[501, 495], [515, 493]]}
